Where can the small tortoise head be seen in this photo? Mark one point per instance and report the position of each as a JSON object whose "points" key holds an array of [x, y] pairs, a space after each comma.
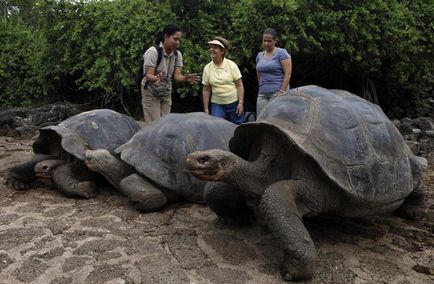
{"points": [[46, 169], [95, 158], [211, 165]]}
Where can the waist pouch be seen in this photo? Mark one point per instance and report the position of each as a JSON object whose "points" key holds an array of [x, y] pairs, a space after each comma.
{"points": [[157, 90]]}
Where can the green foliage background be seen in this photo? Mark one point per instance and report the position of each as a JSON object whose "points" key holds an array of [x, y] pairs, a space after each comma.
{"points": [[90, 51]]}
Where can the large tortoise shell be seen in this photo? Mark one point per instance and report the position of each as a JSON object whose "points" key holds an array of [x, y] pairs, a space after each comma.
{"points": [[349, 138], [90, 130], [159, 150]]}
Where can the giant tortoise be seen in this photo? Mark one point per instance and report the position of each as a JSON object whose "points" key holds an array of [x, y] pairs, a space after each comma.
{"points": [[151, 167], [59, 151], [314, 151]]}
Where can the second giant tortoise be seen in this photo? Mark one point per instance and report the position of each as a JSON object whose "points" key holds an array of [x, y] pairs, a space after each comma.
{"points": [[59, 151], [314, 151], [151, 167]]}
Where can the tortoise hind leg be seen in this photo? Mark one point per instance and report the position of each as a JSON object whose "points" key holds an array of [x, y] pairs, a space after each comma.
{"points": [[144, 195], [229, 204], [279, 209], [22, 175], [415, 205], [74, 179]]}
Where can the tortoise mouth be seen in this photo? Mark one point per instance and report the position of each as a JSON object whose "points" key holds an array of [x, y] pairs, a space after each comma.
{"points": [[206, 174], [202, 167], [44, 175]]}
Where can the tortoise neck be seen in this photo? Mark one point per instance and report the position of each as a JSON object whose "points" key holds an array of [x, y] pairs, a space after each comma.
{"points": [[269, 160]]}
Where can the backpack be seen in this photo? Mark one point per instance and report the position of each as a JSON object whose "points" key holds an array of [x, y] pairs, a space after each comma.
{"points": [[141, 74]]}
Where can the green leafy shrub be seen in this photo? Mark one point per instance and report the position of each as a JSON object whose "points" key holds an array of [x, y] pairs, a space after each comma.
{"points": [[91, 50]]}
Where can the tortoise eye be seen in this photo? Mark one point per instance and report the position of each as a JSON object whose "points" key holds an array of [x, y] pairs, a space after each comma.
{"points": [[204, 159]]}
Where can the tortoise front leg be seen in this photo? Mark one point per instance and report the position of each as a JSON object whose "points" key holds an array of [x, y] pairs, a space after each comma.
{"points": [[143, 194], [75, 180], [280, 209], [228, 203], [22, 175]]}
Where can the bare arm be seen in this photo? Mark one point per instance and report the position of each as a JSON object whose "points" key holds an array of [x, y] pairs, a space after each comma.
{"points": [[206, 94], [151, 77], [190, 77], [240, 93], [287, 68]]}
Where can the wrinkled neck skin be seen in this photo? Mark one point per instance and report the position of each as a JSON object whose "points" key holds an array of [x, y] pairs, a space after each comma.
{"points": [[267, 163]]}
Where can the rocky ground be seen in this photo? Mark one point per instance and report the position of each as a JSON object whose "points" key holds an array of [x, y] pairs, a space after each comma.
{"points": [[48, 238]]}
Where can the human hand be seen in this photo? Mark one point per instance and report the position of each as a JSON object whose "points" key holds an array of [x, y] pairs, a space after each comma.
{"points": [[159, 77], [192, 78], [240, 109]]}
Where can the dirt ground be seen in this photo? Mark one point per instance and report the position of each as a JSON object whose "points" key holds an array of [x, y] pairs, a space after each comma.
{"points": [[48, 238]]}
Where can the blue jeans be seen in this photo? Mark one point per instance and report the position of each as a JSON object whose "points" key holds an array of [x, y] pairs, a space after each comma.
{"points": [[228, 112]]}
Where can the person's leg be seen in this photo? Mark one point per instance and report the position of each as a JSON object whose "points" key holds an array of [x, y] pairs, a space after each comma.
{"points": [[151, 106], [218, 110], [166, 104], [231, 113], [263, 100], [261, 103]]}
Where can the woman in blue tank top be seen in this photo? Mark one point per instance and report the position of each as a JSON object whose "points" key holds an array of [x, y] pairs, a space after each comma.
{"points": [[273, 69]]}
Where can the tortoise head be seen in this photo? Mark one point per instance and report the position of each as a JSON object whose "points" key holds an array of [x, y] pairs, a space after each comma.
{"points": [[46, 169], [211, 165]]}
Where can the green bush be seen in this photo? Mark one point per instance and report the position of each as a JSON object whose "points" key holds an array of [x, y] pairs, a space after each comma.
{"points": [[91, 50]]}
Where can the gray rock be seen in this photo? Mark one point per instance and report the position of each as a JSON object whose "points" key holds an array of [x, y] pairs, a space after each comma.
{"points": [[429, 133], [424, 123], [427, 145], [414, 146]]}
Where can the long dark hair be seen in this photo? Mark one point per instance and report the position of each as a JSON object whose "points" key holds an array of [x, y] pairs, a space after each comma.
{"points": [[168, 30]]}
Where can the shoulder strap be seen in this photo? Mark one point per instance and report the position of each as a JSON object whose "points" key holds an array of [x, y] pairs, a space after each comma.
{"points": [[160, 55]]}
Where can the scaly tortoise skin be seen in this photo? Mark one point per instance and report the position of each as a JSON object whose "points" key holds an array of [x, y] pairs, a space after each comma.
{"points": [[151, 167], [59, 151], [314, 151]]}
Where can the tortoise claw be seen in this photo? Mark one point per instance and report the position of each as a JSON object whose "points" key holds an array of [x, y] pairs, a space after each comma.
{"points": [[293, 272], [86, 189], [16, 183]]}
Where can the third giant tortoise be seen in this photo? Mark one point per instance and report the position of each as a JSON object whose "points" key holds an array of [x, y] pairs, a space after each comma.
{"points": [[59, 151], [314, 151], [152, 168]]}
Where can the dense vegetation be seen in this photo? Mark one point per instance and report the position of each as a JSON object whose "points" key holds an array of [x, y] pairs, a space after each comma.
{"points": [[90, 51]]}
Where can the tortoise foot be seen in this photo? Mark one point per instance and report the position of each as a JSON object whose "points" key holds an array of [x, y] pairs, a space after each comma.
{"points": [[16, 183], [86, 189], [415, 212], [296, 272]]}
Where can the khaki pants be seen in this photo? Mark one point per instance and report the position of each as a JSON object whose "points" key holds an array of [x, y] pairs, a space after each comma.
{"points": [[155, 107]]}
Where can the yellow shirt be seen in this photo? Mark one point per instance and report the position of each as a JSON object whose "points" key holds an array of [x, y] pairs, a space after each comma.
{"points": [[222, 79]]}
